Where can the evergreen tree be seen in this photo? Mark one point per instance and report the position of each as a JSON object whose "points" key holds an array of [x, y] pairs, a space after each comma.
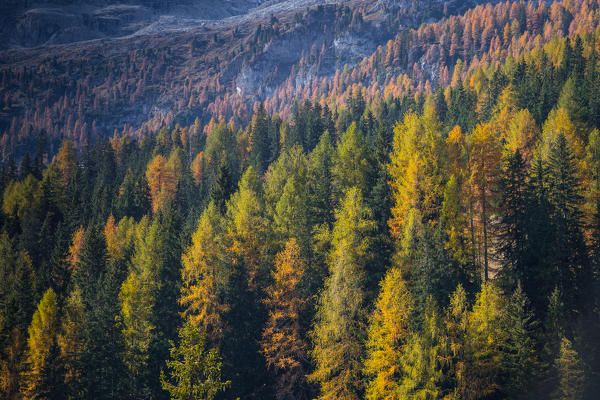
{"points": [[222, 189], [244, 364], [570, 260], [512, 228], [259, 139], [320, 182], [102, 345], [16, 308], [432, 273], [520, 356], [540, 281]]}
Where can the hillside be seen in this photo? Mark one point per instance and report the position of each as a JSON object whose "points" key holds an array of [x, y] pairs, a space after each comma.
{"points": [[177, 69], [305, 200]]}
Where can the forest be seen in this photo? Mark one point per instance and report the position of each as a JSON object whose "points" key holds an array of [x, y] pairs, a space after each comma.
{"points": [[425, 242]]}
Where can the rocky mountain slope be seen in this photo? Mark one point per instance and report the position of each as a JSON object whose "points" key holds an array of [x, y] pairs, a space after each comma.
{"points": [[141, 64]]}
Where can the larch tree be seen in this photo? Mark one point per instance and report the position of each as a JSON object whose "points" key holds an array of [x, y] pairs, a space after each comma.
{"points": [[291, 212], [137, 298], [456, 323], [453, 217], [149, 308], [571, 372], [416, 170], [485, 340], [423, 359], [204, 275], [387, 334], [351, 162], [70, 342], [119, 236], [485, 167], [341, 320], [66, 161], [283, 342], [247, 227], [41, 378], [194, 372], [162, 181]]}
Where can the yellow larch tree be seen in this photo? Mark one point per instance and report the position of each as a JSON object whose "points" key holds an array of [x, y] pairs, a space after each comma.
{"points": [[388, 331], [204, 276], [282, 343], [161, 181]]}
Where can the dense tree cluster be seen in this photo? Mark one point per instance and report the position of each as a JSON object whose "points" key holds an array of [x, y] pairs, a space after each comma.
{"points": [[430, 245]]}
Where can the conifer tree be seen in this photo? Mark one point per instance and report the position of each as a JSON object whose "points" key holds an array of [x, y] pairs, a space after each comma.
{"points": [[513, 221], [41, 376], [456, 323], [222, 188], [66, 161], [247, 227], [423, 358], [485, 339], [572, 268], [16, 308], [519, 353], [415, 170], [320, 182], [194, 372], [70, 341], [259, 139], [485, 167], [340, 327], [453, 220], [351, 163], [204, 277], [162, 181], [137, 297], [102, 344], [570, 372], [283, 342], [388, 333], [541, 279]]}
